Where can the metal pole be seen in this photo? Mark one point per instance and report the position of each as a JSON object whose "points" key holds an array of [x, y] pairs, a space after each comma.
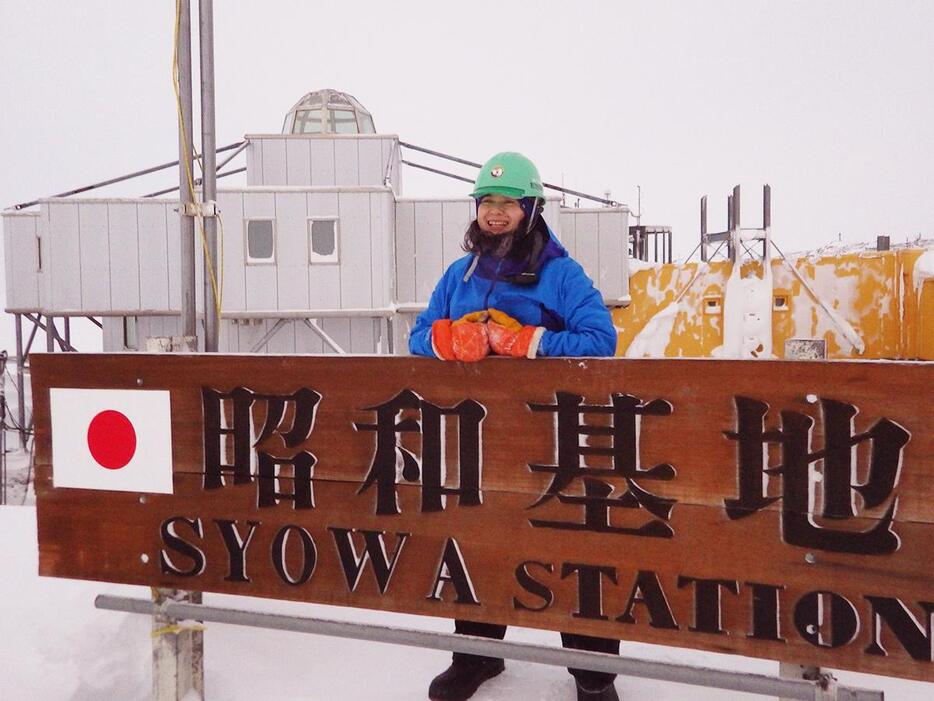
{"points": [[119, 179], [550, 186], [186, 167], [436, 171], [241, 149], [736, 202], [20, 387], [542, 654], [703, 228], [734, 250], [209, 167], [49, 334], [441, 155], [849, 333], [767, 207], [197, 182], [638, 203], [766, 218], [36, 325]]}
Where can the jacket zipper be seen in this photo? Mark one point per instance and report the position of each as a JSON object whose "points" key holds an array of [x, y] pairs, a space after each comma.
{"points": [[486, 298]]}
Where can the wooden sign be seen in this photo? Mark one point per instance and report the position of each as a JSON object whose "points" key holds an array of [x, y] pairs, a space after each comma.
{"points": [[775, 509]]}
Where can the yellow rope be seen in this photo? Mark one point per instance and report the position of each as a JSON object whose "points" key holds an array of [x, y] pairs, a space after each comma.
{"points": [[220, 241], [216, 290], [172, 628], [176, 629]]}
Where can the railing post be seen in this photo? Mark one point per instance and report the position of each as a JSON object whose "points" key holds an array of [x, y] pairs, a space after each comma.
{"points": [[177, 651], [20, 387]]}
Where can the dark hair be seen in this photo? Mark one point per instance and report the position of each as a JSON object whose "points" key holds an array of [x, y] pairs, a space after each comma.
{"points": [[477, 242]]}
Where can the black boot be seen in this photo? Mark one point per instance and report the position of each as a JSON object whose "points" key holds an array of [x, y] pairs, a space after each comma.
{"points": [[607, 693], [462, 679]]}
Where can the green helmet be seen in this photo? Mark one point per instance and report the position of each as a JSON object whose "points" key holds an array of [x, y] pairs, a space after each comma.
{"points": [[510, 174]]}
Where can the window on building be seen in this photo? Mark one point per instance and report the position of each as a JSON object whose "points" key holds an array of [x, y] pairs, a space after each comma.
{"points": [[713, 305], [307, 122], [328, 112], [366, 124], [260, 241], [343, 121], [324, 243], [130, 339]]}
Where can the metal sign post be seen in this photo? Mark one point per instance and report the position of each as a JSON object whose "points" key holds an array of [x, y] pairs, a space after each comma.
{"points": [[209, 184], [186, 171], [177, 655]]}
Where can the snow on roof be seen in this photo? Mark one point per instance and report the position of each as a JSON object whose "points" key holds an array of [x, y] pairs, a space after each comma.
{"points": [[836, 248]]}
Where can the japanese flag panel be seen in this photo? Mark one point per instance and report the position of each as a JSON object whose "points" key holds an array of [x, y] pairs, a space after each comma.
{"points": [[113, 439]]}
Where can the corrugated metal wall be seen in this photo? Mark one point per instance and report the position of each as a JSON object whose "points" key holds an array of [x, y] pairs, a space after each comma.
{"points": [[108, 256], [359, 280], [323, 160], [21, 260], [599, 240]]}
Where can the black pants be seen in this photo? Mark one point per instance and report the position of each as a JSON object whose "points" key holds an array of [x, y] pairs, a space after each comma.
{"points": [[588, 679]]}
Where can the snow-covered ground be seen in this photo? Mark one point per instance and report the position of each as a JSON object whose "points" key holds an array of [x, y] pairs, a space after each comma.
{"points": [[55, 646], [19, 490]]}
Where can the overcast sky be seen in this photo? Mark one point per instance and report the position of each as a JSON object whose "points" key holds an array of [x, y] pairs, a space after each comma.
{"points": [[830, 102]]}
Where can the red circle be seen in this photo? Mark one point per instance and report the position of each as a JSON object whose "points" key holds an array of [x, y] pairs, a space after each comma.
{"points": [[111, 439]]}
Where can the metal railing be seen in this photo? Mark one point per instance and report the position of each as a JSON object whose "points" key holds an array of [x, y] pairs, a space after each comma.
{"points": [[472, 164], [643, 238], [825, 688], [240, 145]]}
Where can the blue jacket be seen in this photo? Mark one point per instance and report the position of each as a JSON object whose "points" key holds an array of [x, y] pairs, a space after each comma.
{"points": [[563, 301]]}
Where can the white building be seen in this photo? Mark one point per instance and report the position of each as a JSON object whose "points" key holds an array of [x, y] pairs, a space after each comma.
{"points": [[320, 250]]}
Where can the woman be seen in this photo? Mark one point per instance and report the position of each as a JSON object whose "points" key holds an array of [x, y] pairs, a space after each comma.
{"points": [[517, 293]]}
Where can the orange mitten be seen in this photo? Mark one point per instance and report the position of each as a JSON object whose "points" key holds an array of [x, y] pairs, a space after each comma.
{"points": [[509, 337], [464, 339], [441, 342], [469, 337]]}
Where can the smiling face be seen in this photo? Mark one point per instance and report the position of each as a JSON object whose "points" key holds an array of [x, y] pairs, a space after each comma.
{"points": [[497, 215]]}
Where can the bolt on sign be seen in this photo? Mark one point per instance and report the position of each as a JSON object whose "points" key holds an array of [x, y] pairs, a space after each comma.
{"points": [[782, 510]]}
